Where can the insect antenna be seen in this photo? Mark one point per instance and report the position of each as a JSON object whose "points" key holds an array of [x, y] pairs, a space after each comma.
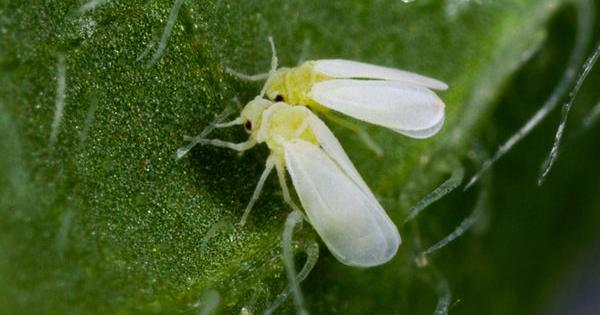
{"points": [[235, 122], [196, 140], [274, 64]]}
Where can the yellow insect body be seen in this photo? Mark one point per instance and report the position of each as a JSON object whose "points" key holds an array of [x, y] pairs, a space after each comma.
{"points": [[278, 123], [293, 85]]}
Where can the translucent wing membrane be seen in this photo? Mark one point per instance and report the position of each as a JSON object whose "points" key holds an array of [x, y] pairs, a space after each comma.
{"points": [[409, 109], [422, 134], [354, 226], [348, 69], [334, 150]]}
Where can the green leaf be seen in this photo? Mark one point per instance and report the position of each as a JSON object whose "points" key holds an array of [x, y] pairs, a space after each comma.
{"points": [[105, 220]]}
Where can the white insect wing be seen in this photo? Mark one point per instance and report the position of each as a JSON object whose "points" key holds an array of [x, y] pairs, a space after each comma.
{"points": [[406, 108], [423, 134], [347, 69], [334, 149], [355, 228]]}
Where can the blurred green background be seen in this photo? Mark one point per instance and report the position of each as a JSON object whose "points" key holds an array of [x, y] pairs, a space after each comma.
{"points": [[97, 217]]}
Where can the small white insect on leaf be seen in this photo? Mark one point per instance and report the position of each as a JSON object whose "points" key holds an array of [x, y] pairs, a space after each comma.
{"points": [[337, 201], [399, 100]]}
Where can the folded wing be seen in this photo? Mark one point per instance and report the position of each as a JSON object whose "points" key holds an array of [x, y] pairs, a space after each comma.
{"points": [[334, 150], [348, 69], [409, 109], [350, 221]]}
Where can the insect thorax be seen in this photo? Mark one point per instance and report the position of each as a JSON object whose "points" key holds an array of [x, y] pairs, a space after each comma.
{"points": [[283, 123], [294, 85]]}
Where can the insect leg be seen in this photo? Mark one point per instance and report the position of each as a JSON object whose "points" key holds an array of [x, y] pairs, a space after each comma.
{"points": [[284, 187], [362, 134], [258, 189]]}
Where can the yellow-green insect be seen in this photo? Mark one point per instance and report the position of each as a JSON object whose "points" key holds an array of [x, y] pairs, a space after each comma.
{"points": [[392, 98], [336, 200]]}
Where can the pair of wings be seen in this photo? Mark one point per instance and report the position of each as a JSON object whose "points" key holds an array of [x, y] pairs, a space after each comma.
{"points": [[338, 203], [392, 98]]}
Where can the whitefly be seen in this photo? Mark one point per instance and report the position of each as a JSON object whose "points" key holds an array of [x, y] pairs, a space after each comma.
{"points": [[335, 198], [399, 100]]}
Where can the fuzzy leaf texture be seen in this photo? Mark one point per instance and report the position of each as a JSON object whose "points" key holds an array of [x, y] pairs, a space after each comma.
{"points": [[97, 217]]}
